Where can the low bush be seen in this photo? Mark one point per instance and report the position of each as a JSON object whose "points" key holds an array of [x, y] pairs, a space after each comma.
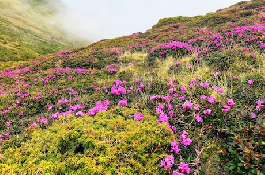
{"points": [[111, 142]]}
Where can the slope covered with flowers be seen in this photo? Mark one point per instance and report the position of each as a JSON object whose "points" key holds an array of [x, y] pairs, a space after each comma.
{"points": [[203, 84]]}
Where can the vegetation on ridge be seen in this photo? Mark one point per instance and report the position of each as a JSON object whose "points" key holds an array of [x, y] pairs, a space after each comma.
{"points": [[179, 98], [28, 30]]}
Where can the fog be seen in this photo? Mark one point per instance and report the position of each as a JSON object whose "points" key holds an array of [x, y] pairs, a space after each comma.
{"points": [[94, 20]]}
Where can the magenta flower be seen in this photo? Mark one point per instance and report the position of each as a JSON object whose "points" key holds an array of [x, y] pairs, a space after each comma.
{"points": [[186, 141], [250, 81], [169, 107], [205, 85], [50, 107], [252, 54], [207, 111], [211, 99], [43, 120], [184, 135], [80, 113], [183, 89], [184, 168], [184, 138], [198, 118], [196, 107], [253, 115], [33, 125], [235, 77], [167, 163], [21, 113], [203, 97], [174, 146], [182, 97], [260, 104], [230, 102], [8, 123], [141, 85], [175, 172], [187, 105], [226, 108], [216, 74], [220, 91], [138, 117], [123, 103], [162, 118]]}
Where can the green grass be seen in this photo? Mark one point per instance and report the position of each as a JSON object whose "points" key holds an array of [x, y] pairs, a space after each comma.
{"points": [[29, 31]]}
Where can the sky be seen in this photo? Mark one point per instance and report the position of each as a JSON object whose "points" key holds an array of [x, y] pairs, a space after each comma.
{"points": [[105, 19]]}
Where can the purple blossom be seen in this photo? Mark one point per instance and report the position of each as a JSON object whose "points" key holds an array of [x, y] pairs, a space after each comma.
{"points": [[174, 146], [138, 117]]}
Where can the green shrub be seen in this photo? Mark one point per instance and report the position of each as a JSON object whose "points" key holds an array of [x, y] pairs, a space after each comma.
{"points": [[111, 142]]}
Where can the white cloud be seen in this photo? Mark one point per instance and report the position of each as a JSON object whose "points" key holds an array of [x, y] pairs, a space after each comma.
{"points": [[112, 18]]}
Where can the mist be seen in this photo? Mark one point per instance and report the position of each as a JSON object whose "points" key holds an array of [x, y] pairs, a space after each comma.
{"points": [[94, 20]]}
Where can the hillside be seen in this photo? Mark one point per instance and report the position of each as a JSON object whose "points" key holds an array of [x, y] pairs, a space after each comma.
{"points": [[29, 30], [185, 97]]}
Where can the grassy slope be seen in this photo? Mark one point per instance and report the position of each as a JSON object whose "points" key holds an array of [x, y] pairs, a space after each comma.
{"points": [[28, 31], [53, 78]]}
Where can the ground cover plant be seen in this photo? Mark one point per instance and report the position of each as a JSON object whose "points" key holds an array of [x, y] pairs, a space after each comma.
{"points": [[185, 97]]}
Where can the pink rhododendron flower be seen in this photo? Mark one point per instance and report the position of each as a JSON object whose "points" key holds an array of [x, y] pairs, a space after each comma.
{"points": [[235, 77], [250, 81], [205, 85], [203, 97], [207, 111], [187, 105], [183, 89], [226, 108], [253, 115], [230, 102], [196, 107], [80, 113], [216, 74], [186, 141], [211, 99], [171, 113], [175, 172], [252, 54], [43, 120], [182, 97], [167, 163], [184, 138], [21, 113], [123, 103], [260, 104], [169, 107], [138, 116], [198, 118], [184, 168], [50, 107], [220, 91], [174, 146], [8, 123], [162, 118]]}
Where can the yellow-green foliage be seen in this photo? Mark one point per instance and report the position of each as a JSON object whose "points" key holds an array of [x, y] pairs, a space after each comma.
{"points": [[111, 142]]}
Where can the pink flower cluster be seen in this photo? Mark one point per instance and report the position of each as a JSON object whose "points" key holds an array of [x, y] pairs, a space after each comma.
{"points": [[117, 89], [99, 107], [184, 138]]}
